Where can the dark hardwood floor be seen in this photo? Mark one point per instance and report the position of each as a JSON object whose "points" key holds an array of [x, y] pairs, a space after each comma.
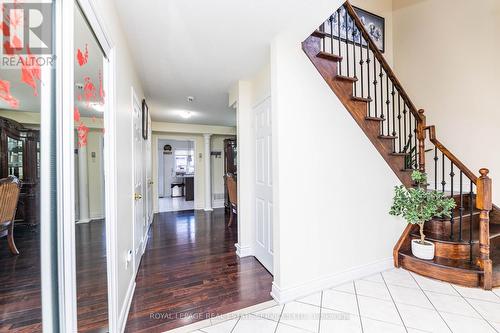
{"points": [[20, 304], [91, 279], [190, 272]]}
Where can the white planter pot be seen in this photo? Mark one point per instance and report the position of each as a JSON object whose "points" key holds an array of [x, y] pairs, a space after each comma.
{"points": [[422, 251]]}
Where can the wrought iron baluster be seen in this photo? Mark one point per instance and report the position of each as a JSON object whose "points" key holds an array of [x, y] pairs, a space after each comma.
{"points": [[409, 148], [443, 182], [471, 206], [354, 57], [452, 174], [346, 22], [399, 121], [415, 138], [322, 29], [388, 104], [405, 126], [331, 33], [361, 63], [339, 37], [393, 119], [381, 75], [375, 82], [368, 84], [461, 208], [436, 158]]}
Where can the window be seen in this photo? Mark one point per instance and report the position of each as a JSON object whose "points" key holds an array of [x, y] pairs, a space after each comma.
{"points": [[184, 161]]}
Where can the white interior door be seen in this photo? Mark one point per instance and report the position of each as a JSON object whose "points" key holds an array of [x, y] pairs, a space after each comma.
{"points": [[139, 213], [263, 246]]}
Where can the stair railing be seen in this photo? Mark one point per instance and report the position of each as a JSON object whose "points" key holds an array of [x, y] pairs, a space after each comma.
{"points": [[472, 194], [345, 36]]}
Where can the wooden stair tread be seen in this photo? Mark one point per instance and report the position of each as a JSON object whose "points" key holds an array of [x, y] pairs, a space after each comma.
{"points": [[462, 265], [320, 34], [361, 99], [346, 78], [445, 238], [374, 118], [387, 137], [329, 56]]}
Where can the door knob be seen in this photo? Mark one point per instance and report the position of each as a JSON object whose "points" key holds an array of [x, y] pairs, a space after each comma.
{"points": [[137, 196]]}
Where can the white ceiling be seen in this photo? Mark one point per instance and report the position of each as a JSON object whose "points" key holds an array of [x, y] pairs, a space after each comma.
{"points": [[200, 48]]}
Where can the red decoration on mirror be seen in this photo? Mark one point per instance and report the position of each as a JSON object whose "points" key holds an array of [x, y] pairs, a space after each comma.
{"points": [[89, 90], [101, 88], [83, 132], [83, 57], [76, 115], [7, 96], [30, 71]]}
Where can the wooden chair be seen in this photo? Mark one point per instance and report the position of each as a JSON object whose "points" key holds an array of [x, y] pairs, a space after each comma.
{"points": [[231, 184], [9, 196]]}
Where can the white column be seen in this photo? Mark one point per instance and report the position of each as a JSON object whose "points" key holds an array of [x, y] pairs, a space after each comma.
{"points": [[246, 171], [208, 174], [83, 185]]}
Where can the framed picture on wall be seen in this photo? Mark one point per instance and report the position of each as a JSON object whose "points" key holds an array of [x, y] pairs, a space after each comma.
{"points": [[375, 25], [341, 25], [145, 120]]}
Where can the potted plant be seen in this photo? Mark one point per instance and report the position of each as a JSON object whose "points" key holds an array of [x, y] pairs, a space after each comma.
{"points": [[417, 205]]}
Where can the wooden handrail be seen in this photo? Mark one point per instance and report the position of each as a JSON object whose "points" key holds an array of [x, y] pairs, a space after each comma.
{"points": [[467, 172], [382, 60]]}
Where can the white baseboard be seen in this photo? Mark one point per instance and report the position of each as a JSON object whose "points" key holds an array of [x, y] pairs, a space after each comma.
{"points": [[122, 320], [243, 251], [292, 293]]}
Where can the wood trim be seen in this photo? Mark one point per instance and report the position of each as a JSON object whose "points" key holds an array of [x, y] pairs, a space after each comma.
{"points": [[403, 243]]}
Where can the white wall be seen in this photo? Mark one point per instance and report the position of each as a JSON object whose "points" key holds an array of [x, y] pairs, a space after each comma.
{"points": [[332, 224], [446, 56], [126, 77]]}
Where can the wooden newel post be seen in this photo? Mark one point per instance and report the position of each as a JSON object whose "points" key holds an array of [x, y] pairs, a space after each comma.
{"points": [[484, 204], [421, 140]]}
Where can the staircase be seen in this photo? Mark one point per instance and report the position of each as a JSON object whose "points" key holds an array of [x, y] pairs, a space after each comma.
{"points": [[468, 243]]}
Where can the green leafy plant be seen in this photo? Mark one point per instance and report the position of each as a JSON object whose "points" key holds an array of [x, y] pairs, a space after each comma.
{"points": [[417, 205]]}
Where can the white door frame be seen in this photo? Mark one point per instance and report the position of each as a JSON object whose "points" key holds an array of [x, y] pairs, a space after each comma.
{"points": [[155, 164], [135, 100], [65, 163]]}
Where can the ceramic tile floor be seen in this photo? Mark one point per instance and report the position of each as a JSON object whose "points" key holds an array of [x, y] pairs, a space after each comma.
{"points": [[392, 301], [168, 204]]}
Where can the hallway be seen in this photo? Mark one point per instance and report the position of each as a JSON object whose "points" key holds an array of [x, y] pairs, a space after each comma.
{"points": [[190, 272]]}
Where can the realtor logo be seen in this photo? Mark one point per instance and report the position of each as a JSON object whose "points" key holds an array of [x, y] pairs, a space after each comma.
{"points": [[26, 27]]}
